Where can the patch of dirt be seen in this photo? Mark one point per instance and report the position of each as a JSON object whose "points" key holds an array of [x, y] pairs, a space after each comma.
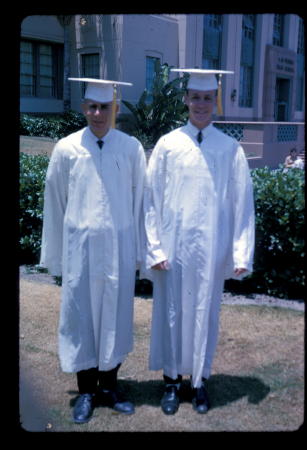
{"points": [[228, 298]]}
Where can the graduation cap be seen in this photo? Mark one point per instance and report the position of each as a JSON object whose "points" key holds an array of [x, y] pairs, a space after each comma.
{"points": [[102, 91], [205, 80]]}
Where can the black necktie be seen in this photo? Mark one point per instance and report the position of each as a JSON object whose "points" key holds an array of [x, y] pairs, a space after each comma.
{"points": [[199, 137], [100, 143]]}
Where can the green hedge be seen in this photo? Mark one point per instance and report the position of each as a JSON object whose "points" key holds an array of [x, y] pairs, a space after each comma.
{"points": [[280, 223], [31, 198], [280, 245], [54, 126]]}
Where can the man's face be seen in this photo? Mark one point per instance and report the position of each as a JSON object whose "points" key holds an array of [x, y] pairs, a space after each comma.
{"points": [[201, 105], [98, 116]]}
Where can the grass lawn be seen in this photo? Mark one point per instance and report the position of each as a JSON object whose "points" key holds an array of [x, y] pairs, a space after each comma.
{"points": [[257, 381]]}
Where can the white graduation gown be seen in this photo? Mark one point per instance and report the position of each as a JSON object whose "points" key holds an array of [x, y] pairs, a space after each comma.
{"points": [[91, 236], [199, 215]]}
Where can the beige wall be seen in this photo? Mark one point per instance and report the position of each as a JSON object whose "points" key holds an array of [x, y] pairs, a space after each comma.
{"points": [[42, 27], [146, 35], [124, 40]]}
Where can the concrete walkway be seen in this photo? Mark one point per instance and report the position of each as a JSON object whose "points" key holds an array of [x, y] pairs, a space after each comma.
{"points": [[36, 145]]}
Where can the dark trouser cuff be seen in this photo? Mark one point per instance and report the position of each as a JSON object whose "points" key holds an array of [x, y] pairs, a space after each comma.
{"points": [[169, 380], [108, 379], [87, 381]]}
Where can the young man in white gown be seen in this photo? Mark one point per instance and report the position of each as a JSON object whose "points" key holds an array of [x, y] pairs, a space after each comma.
{"points": [[199, 219]]}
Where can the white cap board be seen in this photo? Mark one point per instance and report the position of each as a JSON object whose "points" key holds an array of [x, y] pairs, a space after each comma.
{"points": [[100, 90], [203, 79]]}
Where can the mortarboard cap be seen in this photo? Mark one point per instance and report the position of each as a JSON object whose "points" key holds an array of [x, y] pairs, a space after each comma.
{"points": [[101, 91], [203, 79]]}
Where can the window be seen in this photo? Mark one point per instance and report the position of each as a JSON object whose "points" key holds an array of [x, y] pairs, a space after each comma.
{"points": [[282, 95], [46, 72], [247, 60], [246, 91], [300, 67], [27, 77], [300, 42], [212, 41], [152, 68], [90, 67], [41, 69], [278, 30]]}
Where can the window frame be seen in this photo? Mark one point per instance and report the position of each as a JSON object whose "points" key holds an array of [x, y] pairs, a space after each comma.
{"points": [[246, 86], [300, 74], [278, 30], [215, 23], [149, 78], [57, 70], [89, 74]]}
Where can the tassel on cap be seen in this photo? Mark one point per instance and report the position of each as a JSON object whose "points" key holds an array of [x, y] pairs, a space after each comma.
{"points": [[219, 97], [205, 80], [102, 91], [113, 121]]}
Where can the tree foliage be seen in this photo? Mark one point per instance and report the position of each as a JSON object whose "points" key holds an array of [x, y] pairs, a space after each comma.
{"points": [[161, 110]]}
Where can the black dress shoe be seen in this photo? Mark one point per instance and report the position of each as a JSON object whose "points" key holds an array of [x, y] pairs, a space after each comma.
{"points": [[200, 400], [83, 408], [170, 400], [115, 401]]}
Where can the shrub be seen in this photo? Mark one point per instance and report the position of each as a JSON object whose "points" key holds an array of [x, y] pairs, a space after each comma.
{"points": [[56, 126], [72, 121], [279, 208], [40, 126], [280, 245], [31, 190]]}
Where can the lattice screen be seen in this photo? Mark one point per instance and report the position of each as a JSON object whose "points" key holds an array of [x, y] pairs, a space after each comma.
{"points": [[286, 133], [232, 129]]}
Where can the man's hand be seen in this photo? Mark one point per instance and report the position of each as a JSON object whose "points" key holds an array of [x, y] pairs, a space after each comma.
{"points": [[239, 271], [164, 265]]}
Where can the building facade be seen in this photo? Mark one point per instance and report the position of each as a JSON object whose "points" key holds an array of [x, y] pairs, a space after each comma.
{"points": [[263, 101]]}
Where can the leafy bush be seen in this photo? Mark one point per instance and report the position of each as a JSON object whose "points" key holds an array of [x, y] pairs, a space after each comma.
{"points": [[31, 190], [72, 121], [161, 110], [56, 126], [280, 244], [32, 176], [279, 208]]}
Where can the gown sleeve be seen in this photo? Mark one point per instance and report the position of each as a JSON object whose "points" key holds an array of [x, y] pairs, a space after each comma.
{"points": [[244, 216], [139, 173], [153, 201], [55, 201]]}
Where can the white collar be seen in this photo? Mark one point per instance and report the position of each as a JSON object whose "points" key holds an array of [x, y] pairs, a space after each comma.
{"points": [[194, 130], [95, 138]]}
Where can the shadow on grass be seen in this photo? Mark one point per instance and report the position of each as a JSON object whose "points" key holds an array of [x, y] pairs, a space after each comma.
{"points": [[222, 389]]}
